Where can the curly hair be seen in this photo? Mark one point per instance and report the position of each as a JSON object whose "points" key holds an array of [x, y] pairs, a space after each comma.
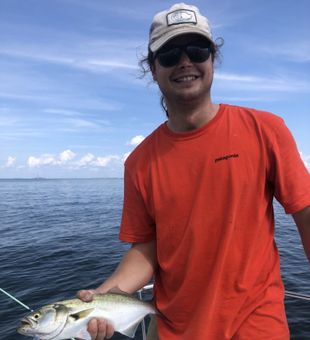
{"points": [[146, 62]]}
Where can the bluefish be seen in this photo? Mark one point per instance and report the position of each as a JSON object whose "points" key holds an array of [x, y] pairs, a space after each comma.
{"points": [[68, 319]]}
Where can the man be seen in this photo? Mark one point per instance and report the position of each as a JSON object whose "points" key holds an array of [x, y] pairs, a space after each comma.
{"points": [[198, 200]]}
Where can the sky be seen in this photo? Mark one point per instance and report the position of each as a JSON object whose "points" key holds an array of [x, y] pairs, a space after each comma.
{"points": [[72, 100]]}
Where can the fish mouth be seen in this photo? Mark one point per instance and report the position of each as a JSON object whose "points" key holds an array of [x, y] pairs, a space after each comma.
{"points": [[27, 322], [26, 326]]}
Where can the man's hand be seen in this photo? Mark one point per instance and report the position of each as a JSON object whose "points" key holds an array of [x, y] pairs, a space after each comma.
{"points": [[99, 329], [134, 271]]}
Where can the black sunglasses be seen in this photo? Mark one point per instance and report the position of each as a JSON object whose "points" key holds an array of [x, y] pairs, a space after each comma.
{"points": [[197, 52]]}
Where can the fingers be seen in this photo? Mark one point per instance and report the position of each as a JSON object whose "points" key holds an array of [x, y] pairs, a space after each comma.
{"points": [[86, 294], [100, 329], [110, 331]]}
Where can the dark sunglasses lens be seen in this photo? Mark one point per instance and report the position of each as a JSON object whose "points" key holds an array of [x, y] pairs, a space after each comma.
{"points": [[198, 54], [170, 57]]}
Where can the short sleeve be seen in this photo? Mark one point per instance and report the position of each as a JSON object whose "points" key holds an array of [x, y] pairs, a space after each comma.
{"points": [[137, 225], [290, 175]]}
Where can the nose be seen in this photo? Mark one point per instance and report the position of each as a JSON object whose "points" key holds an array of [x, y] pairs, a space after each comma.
{"points": [[184, 60]]}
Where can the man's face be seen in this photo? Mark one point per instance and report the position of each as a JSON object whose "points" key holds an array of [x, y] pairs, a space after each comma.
{"points": [[187, 80]]}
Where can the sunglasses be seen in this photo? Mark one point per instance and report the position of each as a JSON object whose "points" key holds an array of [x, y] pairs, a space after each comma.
{"points": [[197, 52]]}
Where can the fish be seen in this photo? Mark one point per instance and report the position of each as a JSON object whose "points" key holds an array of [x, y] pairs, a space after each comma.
{"points": [[69, 318]]}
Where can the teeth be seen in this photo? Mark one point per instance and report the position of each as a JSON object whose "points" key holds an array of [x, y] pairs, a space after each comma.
{"points": [[186, 78]]}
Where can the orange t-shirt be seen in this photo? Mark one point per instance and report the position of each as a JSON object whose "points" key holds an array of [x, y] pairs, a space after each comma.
{"points": [[206, 197]]}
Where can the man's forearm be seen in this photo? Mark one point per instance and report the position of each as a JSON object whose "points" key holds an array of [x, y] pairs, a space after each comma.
{"points": [[134, 271]]}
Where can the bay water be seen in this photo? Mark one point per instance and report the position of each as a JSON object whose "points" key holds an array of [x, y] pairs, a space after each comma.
{"points": [[59, 236]]}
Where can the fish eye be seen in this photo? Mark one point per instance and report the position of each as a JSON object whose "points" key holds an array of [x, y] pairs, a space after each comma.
{"points": [[37, 315]]}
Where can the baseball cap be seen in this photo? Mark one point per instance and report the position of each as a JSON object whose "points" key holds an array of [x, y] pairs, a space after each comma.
{"points": [[177, 20]]}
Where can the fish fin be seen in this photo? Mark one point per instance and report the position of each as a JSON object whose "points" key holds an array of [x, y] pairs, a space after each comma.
{"points": [[130, 331], [83, 335], [80, 315]]}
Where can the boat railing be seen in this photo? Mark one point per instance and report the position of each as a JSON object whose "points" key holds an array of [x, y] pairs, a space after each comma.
{"points": [[140, 294]]}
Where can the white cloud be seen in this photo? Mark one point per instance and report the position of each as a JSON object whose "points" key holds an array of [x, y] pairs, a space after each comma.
{"points": [[10, 162], [63, 112], [237, 77], [306, 160], [91, 161], [66, 156], [34, 162], [299, 54], [86, 160], [126, 155], [79, 59], [43, 160], [136, 140], [104, 161], [48, 159], [83, 123], [104, 65], [260, 83], [65, 160]]}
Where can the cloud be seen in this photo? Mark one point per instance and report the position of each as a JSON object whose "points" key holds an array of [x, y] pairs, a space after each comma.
{"points": [[82, 123], [66, 156], [125, 156], [300, 53], [66, 160], [63, 112], [85, 160], [10, 162], [104, 161], [104, 65], [86, 59], [261, 83], [90, 160], [51, 160], [238, 78], [34, 162], [136, 140], [306, 160]]}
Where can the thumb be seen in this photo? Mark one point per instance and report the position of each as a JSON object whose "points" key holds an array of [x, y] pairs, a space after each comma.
{"points": [[86, 294]]}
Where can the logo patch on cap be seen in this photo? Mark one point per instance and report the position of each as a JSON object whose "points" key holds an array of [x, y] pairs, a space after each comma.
{"points": [[181, 16]]}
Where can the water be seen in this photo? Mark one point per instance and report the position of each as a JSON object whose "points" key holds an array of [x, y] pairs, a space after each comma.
{"points": [[58, 236]]}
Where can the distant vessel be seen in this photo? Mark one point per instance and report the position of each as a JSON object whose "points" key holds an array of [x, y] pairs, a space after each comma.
{"points": [[39, 178]]}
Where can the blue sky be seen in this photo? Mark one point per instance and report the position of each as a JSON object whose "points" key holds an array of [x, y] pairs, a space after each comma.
{"points": [[71, 100]]}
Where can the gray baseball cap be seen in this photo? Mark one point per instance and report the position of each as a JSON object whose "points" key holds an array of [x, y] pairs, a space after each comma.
{"points": [[177, 20]]}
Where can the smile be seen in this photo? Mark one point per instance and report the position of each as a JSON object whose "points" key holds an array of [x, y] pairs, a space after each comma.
{"points": [[185, 79]]}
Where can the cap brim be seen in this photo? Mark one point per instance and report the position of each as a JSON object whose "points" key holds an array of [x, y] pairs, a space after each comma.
{"points": [[158, 43]]}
